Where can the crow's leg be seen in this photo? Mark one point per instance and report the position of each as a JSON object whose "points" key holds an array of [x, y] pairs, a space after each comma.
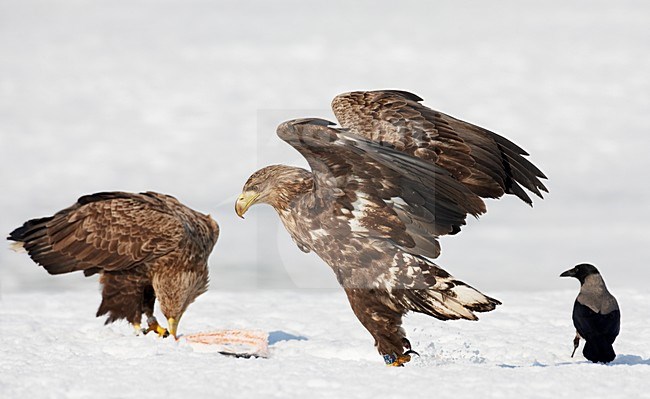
{"points": [[576, 342]]}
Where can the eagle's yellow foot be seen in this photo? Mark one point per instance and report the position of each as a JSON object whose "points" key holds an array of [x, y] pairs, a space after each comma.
{"points": [[397, 361], [152, 325], [162, 332]]}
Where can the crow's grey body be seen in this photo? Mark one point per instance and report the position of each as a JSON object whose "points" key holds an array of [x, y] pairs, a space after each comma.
{"points": [[594, 295], [596, 315]]}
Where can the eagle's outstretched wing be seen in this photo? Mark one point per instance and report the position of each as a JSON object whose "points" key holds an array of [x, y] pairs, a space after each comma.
{"points": [[383, 192], [104, 231], [488, 164]]}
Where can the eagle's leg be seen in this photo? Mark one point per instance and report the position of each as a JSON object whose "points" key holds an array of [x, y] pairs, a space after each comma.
{"points": [[148, 302], [384, 323], [576, 342], [121, 298]]}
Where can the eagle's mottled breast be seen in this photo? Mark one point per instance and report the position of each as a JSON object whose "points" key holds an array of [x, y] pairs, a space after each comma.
{"points": [[337, 237]]}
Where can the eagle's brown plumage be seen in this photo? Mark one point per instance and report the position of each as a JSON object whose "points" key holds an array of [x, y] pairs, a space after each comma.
{"points": [[381, 190], [146, 246], [488, 164]]}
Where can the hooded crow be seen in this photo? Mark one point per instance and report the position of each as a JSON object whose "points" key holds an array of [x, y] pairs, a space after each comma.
{"points": [[596, 315]]}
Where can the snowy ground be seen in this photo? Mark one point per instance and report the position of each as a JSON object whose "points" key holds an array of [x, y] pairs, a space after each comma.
{"points": [[52, 347]]}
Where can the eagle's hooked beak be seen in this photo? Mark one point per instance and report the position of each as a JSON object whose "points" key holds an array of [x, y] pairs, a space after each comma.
{"points": [[172, 326], [245, 200]]}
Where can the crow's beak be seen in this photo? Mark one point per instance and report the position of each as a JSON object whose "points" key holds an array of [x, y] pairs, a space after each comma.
{"points": [[569, 273]]}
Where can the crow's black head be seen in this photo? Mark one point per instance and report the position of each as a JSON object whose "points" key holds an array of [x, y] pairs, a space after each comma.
{"points": [[581, 272]]}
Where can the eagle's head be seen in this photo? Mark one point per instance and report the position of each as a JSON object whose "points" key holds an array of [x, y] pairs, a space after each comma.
{"points": [[176, 290], [276, 185]]}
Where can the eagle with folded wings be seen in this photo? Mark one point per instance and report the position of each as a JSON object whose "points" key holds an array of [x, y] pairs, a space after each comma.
{"points": [[145, 247]]}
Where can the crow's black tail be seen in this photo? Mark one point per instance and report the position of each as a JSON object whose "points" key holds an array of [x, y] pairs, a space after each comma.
{"points": [[599, 349]]}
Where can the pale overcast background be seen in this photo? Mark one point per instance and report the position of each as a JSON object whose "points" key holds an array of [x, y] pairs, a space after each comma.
{"points": [[183, 97]]}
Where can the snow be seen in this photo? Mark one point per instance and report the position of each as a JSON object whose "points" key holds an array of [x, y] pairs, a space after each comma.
{"points": [[53, 347], [183, 97]]}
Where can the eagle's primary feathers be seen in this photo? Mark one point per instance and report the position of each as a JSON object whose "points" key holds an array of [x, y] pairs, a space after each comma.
{"points": [[381, 190], [145, 246]]}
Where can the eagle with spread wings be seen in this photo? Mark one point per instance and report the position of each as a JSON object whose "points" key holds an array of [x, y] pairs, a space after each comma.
{"points": [[382, 188], [145, 247]]}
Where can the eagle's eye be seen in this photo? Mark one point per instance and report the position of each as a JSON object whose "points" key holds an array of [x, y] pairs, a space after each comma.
{"points": [[255, 187]]}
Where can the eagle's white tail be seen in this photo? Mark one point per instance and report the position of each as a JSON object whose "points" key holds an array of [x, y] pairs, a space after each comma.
{"points": [[434, 292], [458, 302], [18, 247]]}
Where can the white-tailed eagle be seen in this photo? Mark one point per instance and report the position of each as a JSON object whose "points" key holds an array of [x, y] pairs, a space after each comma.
{"points": [[145, 246], [382, 188]]}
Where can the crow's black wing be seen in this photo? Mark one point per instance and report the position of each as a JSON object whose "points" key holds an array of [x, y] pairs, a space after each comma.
{"points": [[591, 325]]}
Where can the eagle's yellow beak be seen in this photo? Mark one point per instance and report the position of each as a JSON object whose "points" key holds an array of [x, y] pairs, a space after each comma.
{"points": [[245, 200], [172, 326]]}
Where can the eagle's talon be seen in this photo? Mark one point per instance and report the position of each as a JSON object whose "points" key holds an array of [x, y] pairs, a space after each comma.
{"points": [[411, 352], [407, 346], [153, 326], [161, 331]]}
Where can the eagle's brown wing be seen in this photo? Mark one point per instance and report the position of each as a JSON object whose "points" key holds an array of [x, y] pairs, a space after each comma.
{"points": [[379, 191], [488, 164], [104, 231]]}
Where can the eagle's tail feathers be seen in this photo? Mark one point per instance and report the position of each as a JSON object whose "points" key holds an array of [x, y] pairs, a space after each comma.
{"points": [[473, 299], [450, 299], [34, 238]]}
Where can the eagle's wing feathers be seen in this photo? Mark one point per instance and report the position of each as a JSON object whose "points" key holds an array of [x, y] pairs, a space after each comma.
{"points": [[388, 193], [104, 231], [488, 164]]}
